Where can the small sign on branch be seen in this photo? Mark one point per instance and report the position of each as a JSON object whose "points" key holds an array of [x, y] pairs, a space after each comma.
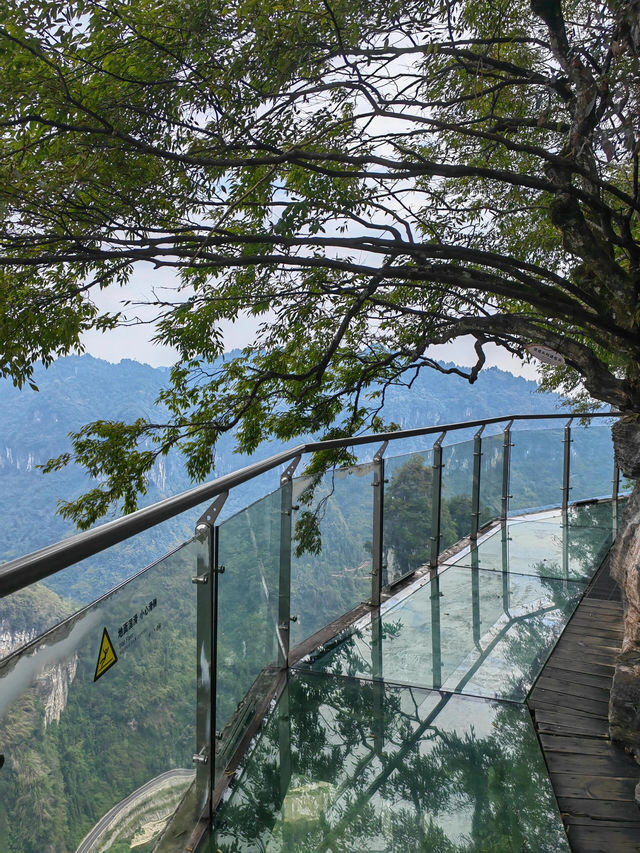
{"points": [[545, 354]]}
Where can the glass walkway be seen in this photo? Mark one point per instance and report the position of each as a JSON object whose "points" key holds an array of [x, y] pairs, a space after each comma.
{"points": [[342, 665], [408, 732]]}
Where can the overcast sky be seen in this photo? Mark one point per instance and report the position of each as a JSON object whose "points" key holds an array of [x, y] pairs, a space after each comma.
{"points": [[135, 341]]}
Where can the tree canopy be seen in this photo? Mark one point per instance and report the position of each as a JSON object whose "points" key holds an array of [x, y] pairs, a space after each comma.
{"points": [[366, 178]]}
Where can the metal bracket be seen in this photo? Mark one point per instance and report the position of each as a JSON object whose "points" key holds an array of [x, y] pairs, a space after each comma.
{"points": [[380, 451], [209, 516], [201, 579], [289, 471], [201, 757]]}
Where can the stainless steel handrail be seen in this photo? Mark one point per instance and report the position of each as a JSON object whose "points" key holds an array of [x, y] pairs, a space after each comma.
{"points": [[23, 571]]}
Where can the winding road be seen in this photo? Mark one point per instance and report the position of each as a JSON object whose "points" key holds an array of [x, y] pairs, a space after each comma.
{"points": [[104, 824]]}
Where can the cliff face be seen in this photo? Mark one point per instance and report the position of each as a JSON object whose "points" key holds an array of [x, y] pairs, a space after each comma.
{"points": [[11, 639], [23, 617], [53, 687]]}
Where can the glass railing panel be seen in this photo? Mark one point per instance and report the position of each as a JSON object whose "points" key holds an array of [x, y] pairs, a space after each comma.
{"points": [[536, 469], [345, 766], [544, 549], [591, 462], [457, 486], [98, 717], [328, 584], [491, 478], [247, 634], [407, 514], [49, 602], [467, 631]]}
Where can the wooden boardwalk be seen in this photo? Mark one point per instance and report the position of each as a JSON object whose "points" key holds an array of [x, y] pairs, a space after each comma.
{"points": [[594, 779]]}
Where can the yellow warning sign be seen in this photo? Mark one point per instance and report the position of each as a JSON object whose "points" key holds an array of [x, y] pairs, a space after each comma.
{"points": [[107, 656]]}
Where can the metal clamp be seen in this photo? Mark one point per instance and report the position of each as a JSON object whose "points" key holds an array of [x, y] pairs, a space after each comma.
{"points": [[200, 579], [201, 757]]}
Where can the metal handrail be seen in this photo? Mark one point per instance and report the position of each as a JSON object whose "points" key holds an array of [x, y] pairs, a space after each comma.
{"points": [[23, 571]]}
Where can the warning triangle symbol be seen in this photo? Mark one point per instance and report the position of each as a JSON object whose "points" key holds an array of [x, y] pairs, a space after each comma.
{"points": [[106, 657]]}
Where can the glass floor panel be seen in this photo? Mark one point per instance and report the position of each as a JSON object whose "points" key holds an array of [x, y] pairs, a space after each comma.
{"points": [[468, 631], [542, 548], [347, 766]]}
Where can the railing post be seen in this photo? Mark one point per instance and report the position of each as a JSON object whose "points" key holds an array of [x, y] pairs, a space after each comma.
{"points": [[475, 490], [566, 467], [436, 646], [615, 495], [284, 585], [475, 596], [506, 471], [284, 742], [377, 544], [436, 497], [378, 683], [206, 578], [506, 596]]}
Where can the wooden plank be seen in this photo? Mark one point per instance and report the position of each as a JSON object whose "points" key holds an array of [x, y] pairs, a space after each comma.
{"points": [[608, 620], [588, 787], [579, 658], [604, 621], [567, 673], [599, 823], [603, 809], [587, 628], [601, 766], [571, 715], [605, 840], [576, 636], [605, 607], [592, 707], [607, 616], [568, 688], [588, 644], [552, 728], [589, 667], [580, 745]]}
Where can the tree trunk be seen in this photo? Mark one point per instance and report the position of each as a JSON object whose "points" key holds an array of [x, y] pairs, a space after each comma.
{"points": [[624, 704]]}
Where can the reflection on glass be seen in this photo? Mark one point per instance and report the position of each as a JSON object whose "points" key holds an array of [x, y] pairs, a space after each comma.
{"points": [[354, 767], [468, 631], [547, 549], [407, 514], [249, 550], [327, 584], [587, 515], [457, 486], [491, 478], [74, 746], [589, 480], [536, 469]]}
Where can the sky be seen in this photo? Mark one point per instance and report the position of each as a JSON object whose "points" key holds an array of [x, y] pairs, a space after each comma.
{"points": [[134, 341]]}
